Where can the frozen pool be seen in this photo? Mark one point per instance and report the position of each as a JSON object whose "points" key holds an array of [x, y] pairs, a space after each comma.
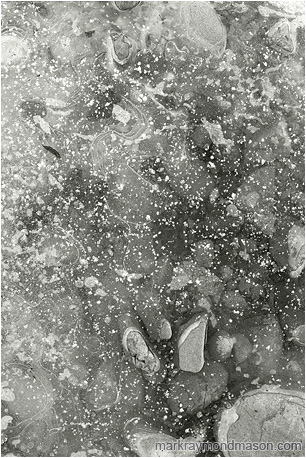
{"points": [[153, 245]]}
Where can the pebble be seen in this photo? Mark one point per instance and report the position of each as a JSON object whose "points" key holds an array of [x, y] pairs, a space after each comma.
{"points": [[226, 273], [190, 343], [234, 301], [220, 346], [242, 348]]}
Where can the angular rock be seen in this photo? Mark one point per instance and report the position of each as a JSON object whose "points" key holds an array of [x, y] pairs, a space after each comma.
{"points": [[195, 392], [296, 244], [256, 196], [140, 255], [103, 391], [288, 247], [132, 390], [292, 321], [265, 334], [242, 348], [150, 309], [233, 300], [203, 252], [190, 343], [282, 37]]}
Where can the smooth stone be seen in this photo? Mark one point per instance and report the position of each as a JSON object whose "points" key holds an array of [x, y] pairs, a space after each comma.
{"points": [[220, 346], [265, 415], [144, 440], [191, 341]]}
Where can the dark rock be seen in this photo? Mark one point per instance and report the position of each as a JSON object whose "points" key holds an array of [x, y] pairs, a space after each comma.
{"points": [[265, 334], [234, 301], [194, 392], [242, 348], [103, 391]]}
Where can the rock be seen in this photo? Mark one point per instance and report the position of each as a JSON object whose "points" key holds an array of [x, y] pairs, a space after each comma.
{"points": [[31, 108], [132, 390], [150, 308], [269, 142], [207, 283], [205, 303], [58, 247], [265, 334], [234, 301], [15, 48], [220, 346], [203, 26], [250, 288], [279, 243], [267, 415], [23, 335], [204, 253], [190, 343], [296, 244], [190, 179], [125, 6], [292, 322], [132, 198], [256, 196], [31, 388], [226, 273], [140, 255], [232, 210], [201, 137], [288, 247], [122, 47], [282, 37], [220, 225], [103, 391], [147, 440], [257, 191], [36, 439], [162, 275], [292, 375], [242, 348], [290, 293], [248, 245], [194, 392], [138, 348]]}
